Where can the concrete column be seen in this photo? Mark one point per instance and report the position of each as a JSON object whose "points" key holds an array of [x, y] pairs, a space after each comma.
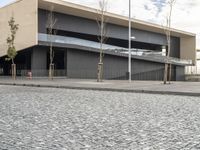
{"points": [[39, 62]]}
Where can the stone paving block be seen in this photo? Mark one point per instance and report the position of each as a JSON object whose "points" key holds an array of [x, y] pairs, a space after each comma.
{"points": [[34, 118]]}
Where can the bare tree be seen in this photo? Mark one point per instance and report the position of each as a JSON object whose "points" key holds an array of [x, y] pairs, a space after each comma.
{"points": [[101, 21], [11, 52], [50, 25], [167, 30]]}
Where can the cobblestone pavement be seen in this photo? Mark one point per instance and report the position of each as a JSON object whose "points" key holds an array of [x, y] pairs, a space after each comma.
{"points": [[61, 119]]}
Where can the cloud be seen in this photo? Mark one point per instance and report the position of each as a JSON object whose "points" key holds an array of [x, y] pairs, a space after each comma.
{"points": [[159, 4]]}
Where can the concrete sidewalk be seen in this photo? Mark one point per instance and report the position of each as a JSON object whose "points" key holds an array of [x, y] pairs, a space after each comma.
{"points": [[154, 87]]}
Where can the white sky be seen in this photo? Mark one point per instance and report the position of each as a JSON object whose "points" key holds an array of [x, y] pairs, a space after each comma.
{"points": [[184, 17]]}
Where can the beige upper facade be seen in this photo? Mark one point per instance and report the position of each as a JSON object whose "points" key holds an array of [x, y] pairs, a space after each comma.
{"points": [[25, 13]]}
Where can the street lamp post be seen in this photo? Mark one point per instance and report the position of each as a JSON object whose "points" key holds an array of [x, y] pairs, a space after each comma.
{"points": [[129, 43]]}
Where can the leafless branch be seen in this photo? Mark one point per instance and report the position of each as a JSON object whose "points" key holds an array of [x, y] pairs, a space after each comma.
{"points": [[50, 26], [167, 30], [101, 22]]}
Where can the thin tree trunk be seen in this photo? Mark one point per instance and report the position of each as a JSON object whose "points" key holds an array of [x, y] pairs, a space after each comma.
{"points": [[51, 71], [51, 65], [51, 21], [101, 25], [170, 73], [13, 71], [165, 73], [168, 36]]}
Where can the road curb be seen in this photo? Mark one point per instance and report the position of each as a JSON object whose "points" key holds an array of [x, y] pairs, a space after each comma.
{"points": [[105, 89]]}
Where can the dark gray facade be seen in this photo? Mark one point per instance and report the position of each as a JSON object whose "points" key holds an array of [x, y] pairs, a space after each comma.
{"points": [[82, 64]]}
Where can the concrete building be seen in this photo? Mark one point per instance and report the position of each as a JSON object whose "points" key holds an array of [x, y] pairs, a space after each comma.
{"points": [[194, 70], [76, 43]]}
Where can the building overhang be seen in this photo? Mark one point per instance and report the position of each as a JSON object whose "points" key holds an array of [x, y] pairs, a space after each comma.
{"points": [[90, 13]]}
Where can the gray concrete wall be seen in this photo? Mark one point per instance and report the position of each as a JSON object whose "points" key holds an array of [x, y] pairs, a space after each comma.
{"points": [[39, 61], [180, 73], [86, 26], [175, 47], [82, 64]]}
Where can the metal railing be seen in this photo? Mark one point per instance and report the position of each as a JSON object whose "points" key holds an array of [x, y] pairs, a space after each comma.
{"points": [[74, 41], [152, 55]]}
